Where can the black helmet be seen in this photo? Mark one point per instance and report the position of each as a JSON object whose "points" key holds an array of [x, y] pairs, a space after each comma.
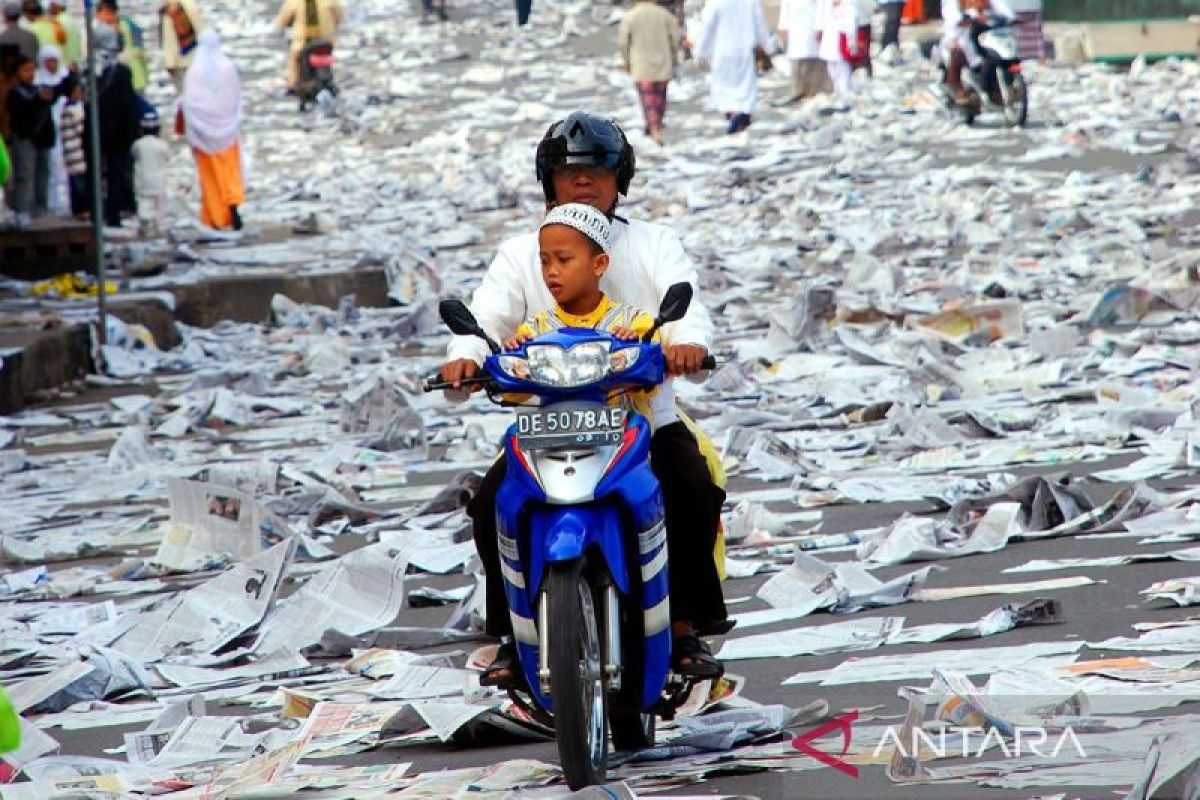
{"points": [[584, 138]]}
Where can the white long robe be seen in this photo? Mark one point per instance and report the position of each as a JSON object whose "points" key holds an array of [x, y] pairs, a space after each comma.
{"points": [[838, 18], [799, 19], [729, 32]]}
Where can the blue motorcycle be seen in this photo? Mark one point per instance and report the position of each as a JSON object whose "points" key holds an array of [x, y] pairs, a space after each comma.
{"points": [[583, 546]]}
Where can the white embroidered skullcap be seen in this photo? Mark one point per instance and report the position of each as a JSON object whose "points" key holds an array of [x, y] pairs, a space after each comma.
{"points": [[583, 218]]}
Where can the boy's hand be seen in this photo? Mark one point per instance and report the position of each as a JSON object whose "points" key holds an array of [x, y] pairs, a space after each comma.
{"points": [[513, 342], [457, 371], [684, 359], [623, 333]]}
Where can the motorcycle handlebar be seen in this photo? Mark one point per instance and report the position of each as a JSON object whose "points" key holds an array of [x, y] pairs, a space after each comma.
{"points": [[434, 383]]}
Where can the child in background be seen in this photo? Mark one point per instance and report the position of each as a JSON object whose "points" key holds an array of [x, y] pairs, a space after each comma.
{"points": [[838, 33], [74, 157], [150, 157], [32, 139]]}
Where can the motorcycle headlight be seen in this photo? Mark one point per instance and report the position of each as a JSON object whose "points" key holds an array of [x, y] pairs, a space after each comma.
{"points": [[515, 366], [552, 365], [623, 359]]}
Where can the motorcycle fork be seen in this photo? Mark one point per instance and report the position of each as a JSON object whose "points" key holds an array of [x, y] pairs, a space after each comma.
{"points": [[612, 637], [611, 615]]}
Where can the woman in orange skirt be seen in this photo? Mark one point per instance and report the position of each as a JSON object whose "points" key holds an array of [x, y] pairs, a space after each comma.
{"points": [[212, 113]]}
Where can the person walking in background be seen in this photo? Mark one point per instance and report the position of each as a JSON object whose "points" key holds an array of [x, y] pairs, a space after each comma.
{"points": [[70, 130], [14, 35], [865, 10], [308, 19], [42, 25], [731, 33], [33, 137], [798, 30], [649, 42], [1031, 38], [212, 114], [150, 158], [50, 75], [118, 122], [72, 47], [838, 32], [133, 46], [179, 26], [893, 10]]}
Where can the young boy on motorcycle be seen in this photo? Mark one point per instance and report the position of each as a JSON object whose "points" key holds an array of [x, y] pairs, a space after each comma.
{"points": [[587, 159]]}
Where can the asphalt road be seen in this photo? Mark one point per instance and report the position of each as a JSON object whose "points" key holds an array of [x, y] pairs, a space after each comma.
{"points": [[1105, 609]]}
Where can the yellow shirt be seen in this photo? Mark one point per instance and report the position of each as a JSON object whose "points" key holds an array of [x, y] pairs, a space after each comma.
{"points": [[656, 405]]}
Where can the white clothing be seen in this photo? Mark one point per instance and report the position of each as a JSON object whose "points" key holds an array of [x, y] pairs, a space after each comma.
{"points": [[212, 97], [151, 211], [838, 18], [646, 259], [951, 14], [840, 75], [150, 157], [1025, 6], [799, 19], [865, 9], [729, 32], [43, 76]]}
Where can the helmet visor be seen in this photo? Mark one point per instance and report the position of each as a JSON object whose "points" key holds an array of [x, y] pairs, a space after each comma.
{"points": [[606, 159]]}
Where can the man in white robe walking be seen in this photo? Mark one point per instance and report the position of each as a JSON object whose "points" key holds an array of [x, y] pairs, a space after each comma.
{"points": [[730, 33]]}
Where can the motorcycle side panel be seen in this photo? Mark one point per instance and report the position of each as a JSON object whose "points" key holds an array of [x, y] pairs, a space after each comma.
{"points": [[532, 534]]}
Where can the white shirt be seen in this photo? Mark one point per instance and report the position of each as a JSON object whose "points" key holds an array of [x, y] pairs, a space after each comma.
{"points": [[645, 260], [799, 19], [150, 157], [838, 18]]}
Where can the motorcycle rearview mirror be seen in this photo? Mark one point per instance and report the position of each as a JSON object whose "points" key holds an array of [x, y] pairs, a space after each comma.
{"points": [[674, 305], [460, 320]]}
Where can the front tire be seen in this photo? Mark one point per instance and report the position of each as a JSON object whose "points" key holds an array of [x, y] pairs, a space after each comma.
{"points": [[576, 676], [1016, 101]]}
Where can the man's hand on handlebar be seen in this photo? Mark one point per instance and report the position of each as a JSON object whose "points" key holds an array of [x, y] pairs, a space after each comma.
{"points": [[455, 372], [684, 359]]}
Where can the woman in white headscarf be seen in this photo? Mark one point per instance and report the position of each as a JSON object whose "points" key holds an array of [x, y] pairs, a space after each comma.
{"points": [[212, 113], [51, 72]]}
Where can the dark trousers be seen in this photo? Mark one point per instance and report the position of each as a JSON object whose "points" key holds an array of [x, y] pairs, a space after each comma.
{"points": [[523, 9], [737, 123], [693, 513], [81, 194], [117, 188], [891, 24]]}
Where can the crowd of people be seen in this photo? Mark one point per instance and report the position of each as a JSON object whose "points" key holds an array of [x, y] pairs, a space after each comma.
{"points": [[46, 124], [825, 41]]}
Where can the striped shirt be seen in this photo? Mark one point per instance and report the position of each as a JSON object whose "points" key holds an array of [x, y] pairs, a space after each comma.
{"points": [[71, 130]]}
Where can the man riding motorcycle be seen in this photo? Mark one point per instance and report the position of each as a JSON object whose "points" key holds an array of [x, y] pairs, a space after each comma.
{"points": [[958, 48], [587, 159]]}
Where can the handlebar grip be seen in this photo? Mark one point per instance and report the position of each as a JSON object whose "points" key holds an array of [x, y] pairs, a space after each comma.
{"points": [[708, 362]]}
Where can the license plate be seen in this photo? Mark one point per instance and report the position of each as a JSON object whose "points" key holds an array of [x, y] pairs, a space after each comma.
{"points": [[570, 425]]}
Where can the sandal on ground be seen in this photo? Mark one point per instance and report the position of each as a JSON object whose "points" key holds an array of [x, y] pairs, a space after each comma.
{"points": [[691, 657], [505, 670]]}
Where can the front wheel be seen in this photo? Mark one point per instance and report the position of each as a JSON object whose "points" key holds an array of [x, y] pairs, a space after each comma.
{"points": [[576, 676], [1016, 100]]}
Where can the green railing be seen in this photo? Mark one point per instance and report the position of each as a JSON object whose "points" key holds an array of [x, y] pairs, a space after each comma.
{"points": [[1113, 10]]}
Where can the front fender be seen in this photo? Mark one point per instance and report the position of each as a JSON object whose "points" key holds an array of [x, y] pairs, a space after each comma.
{"points": [[565, 533]]}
